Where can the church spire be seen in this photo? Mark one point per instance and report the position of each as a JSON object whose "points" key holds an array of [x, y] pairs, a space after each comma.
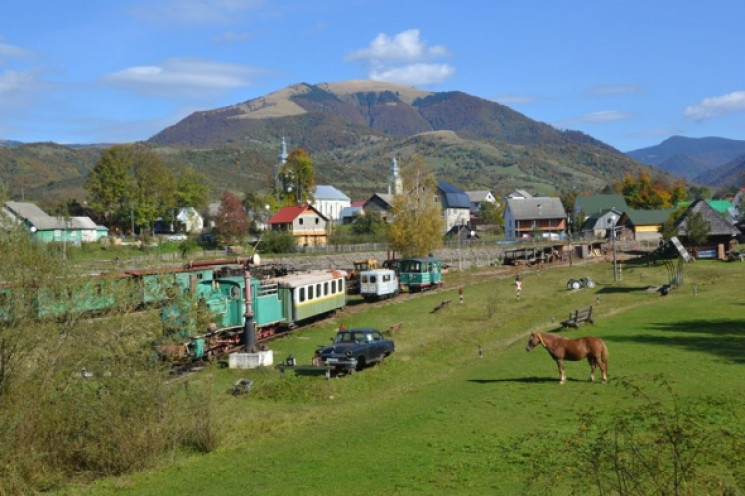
{"points": [[281, 160], [395, 184]]}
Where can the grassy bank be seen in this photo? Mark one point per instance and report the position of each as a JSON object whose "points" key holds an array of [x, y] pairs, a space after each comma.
{"points": [[436, 418]]}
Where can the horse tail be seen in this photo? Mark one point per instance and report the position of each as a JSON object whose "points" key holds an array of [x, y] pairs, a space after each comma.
{"points": [[604, 356]]}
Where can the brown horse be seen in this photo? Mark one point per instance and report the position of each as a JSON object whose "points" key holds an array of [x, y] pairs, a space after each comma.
{"points": [[561, 348]]}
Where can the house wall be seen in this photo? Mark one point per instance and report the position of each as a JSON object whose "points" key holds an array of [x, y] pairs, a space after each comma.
{"points": [[456, 217], [647, 232], [310, 229], [331, 209]]}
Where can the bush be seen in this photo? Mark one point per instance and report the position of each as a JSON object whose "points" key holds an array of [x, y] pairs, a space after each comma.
{"points": [[276, 242]]}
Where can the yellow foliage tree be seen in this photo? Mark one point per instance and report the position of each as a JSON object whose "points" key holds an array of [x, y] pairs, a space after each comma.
{"points": [[417, 227]]}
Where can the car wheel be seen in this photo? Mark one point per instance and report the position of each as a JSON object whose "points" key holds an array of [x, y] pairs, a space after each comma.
{"points": [[590, 283], [574, 284], [360, 363]]}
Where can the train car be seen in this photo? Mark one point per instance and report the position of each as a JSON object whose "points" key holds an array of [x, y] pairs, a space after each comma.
{"points": [[155, 286], [310, 295], [378, 284], [91, 295], [419, 274]]}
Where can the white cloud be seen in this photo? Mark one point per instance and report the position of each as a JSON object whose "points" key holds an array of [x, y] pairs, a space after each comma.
{"points": [[716, 106], [182, 77], [595, 118], [8, 51], [194, 11], [17, 81], [403, 58], [414, 74], [403, 47], [515, 99], [613, 89]]}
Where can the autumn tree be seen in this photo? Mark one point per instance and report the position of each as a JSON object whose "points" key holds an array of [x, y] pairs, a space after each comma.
{"points": [[298, 177], [418, 225], [231, 222]]}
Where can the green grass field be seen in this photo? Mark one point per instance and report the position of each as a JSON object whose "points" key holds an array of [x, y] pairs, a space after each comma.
{"points": [[436, 418]]}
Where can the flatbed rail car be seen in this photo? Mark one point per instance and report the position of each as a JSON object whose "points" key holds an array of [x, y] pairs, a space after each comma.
{"points": [[377, 284], [419, 274]]}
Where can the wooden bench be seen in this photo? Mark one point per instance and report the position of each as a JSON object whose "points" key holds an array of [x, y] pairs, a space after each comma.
{"points": [[394, 328], [306, 369], [577, 317], [441, 306]]}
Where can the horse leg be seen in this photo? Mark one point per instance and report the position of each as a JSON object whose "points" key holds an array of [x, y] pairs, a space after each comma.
{"points": [[604, 370], [562, 376], [593, 363]]}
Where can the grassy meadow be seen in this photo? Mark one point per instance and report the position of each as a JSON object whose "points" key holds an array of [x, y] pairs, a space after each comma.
{"points": [[437, 418]]}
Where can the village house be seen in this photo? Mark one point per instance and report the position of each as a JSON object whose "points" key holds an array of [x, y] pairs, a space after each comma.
{"points": [[455, 204], [47, 228], [307, 224], [540, 215]]}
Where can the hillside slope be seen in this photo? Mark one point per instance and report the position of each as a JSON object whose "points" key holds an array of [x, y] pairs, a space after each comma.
{"points": [[693, 158]]}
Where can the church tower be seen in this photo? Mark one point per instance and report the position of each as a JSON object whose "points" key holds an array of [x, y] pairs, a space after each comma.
{"points": [[281, 160], [395, 184]]}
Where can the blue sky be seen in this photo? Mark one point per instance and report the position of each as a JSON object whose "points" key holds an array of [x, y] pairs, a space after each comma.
{"points": [[630, 73]]}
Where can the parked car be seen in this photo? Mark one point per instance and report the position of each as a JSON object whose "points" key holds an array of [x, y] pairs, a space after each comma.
{"points": [[354, 349]]}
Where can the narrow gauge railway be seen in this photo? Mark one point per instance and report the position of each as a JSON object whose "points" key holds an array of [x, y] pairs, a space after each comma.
{"points": [[220, 296]]}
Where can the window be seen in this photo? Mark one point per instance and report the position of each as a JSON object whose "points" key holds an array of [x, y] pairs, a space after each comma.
{"points": [[301, 295], [318, 220], [310, 292], [318, 291], [300, 221], [325, 288]]}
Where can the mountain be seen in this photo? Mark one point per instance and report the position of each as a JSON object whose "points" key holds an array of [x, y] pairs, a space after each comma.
{"points": [[730, 174], [352, 130], [703, 160]]}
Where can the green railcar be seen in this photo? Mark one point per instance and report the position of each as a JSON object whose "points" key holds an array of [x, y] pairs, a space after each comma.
{"points": [[419, 274], [310, 295], [159, 285]]}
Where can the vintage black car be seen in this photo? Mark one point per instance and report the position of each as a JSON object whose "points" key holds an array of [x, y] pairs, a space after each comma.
{"points": [[353, 349]]}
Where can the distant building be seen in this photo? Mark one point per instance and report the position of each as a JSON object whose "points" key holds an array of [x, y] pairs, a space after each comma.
{"points": [[330, 202], [645, 224], [379, 203], [352, 212], [190, 219], [524, 217], [477, 198], [307, 224], [47, 228], [593, 205], [455, 204]]}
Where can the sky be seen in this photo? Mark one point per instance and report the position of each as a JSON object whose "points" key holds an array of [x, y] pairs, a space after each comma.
{"points": [[630, 73]]}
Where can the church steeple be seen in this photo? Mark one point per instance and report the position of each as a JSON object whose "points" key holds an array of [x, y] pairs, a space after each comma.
{"points": [[395, 184], [281, 160]]}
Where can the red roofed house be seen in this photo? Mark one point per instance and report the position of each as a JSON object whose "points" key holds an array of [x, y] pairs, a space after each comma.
{"points": [[307, 224]]}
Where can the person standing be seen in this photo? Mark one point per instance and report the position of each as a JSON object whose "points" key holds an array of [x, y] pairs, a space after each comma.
{"points": [[460, 294], [518, 286]]}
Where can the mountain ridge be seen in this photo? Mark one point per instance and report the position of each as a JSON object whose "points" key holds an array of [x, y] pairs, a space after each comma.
{"points": [[352, 130]]}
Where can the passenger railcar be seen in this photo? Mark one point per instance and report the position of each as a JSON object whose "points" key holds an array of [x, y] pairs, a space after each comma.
{"points": [[310, 295], [378, 284], [419, 274]]}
